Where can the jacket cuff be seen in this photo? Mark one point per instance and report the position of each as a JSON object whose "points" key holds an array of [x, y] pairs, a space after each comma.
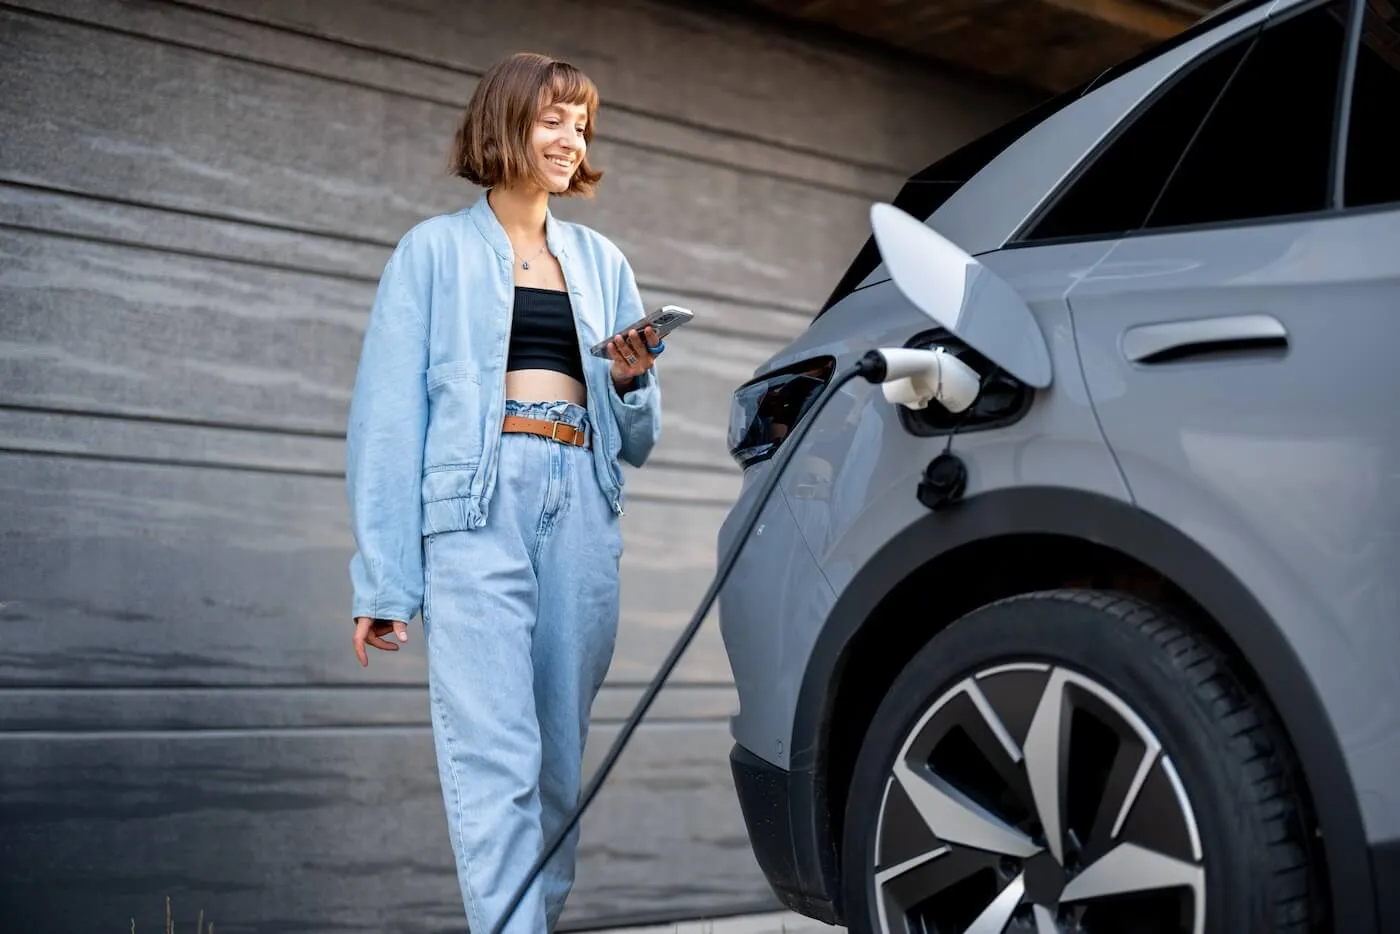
{"points": [[376, 610], [638, 394]]}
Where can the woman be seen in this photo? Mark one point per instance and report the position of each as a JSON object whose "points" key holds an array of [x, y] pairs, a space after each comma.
{"points": [[482, 467]]}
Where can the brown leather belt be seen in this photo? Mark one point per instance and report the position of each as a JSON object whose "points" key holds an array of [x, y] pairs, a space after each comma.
{"points": [[555, 431]]}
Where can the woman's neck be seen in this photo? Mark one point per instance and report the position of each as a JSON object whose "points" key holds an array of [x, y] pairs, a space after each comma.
{"points": [[520, 211]]}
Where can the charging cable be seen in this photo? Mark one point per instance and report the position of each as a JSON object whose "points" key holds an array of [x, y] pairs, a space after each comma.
{"points": [[922, 368]]}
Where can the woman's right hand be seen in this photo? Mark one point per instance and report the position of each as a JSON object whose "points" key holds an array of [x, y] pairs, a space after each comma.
{"points": [[372, 631]]}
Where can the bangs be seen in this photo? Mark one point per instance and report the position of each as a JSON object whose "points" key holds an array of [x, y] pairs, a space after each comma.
{"points": [[565, 84]]}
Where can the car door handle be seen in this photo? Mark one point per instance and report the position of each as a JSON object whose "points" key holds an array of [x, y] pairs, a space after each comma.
{"points": [[1172, 341]]}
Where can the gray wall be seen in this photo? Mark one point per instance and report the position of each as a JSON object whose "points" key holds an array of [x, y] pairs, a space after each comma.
{"points": [[196, 199]]}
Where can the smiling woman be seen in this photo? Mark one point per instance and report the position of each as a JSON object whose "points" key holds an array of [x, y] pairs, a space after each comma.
{"points": [[485, 490]]}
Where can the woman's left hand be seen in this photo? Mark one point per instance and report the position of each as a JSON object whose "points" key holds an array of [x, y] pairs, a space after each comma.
{"points": [[633, 356]]}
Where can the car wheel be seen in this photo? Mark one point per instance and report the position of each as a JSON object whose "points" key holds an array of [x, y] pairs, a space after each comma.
{"points": [[1075, 761]]}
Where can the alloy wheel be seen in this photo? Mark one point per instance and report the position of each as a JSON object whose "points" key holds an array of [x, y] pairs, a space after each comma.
{"points": [[1031, 798]]}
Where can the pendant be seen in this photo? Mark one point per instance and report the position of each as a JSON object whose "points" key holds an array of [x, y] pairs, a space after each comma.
{"points": [[524, 264]]}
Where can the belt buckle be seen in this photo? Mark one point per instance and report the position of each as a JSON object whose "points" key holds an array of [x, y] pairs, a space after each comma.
{"points": [[554, 431]]}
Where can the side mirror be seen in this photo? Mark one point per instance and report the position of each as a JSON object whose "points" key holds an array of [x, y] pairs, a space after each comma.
{"points": [[961, 295]]}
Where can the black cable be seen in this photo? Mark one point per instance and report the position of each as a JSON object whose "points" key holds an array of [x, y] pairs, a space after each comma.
{"points": [[872, 367], [971, 407]]}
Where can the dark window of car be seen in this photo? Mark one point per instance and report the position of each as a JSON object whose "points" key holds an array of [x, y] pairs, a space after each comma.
{"points": [[1265, 149], [1115, 193], [1245, 133], [1373, 147]]}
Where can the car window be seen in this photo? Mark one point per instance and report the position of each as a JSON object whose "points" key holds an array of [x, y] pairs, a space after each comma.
{"points": [[1265, 149], [1114, 193], [1373, 148], [1243, 133]]}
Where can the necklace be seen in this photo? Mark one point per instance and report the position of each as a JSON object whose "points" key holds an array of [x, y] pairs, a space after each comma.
{"points": [[525, 263]]}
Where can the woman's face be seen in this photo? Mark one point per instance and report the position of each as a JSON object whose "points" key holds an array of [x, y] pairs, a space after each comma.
{"points": [[558, 143]]}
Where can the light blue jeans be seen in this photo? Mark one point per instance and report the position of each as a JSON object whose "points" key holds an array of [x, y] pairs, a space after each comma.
{"points": [[521, 620]]}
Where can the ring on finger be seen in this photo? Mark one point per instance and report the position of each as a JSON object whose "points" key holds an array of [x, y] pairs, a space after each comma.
{"points": [[631, 359], [660, 346]]}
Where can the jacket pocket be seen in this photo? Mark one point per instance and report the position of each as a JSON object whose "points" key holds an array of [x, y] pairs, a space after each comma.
{"points": [[456, 429]]}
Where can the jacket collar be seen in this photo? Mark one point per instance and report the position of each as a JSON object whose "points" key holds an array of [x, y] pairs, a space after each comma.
{"points": [[491, 229]]}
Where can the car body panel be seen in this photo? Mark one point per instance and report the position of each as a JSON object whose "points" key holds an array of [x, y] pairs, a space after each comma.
{"points": [[775, 593], [1283, 465], [852, 485]]}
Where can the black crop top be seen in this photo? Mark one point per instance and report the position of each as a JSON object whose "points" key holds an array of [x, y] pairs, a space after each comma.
{"points": [[542, 335]]}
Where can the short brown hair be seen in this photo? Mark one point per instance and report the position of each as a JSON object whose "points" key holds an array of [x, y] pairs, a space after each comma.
{"points": [[492, 144]]}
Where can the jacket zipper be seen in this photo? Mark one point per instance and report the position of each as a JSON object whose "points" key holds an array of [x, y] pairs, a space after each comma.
{"points": [[501, 387]]}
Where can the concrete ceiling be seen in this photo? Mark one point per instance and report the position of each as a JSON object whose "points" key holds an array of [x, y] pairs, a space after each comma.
{"points": [[1051, 45]]}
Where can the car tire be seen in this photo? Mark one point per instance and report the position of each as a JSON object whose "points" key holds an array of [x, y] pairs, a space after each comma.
{"points": [[1172, 778]]}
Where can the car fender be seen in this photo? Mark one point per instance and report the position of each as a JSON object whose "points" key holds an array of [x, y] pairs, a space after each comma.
{"points": [[1120, 526]]}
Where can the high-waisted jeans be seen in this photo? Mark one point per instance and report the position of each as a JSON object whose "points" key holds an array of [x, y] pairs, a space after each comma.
{"points": [[521, 621]]}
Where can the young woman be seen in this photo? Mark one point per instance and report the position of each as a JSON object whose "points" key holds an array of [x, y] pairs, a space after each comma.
{"points": [[483, 451]]}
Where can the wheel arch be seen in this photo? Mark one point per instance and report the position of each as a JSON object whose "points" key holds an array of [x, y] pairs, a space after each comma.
{"points": [[1004, 542]]}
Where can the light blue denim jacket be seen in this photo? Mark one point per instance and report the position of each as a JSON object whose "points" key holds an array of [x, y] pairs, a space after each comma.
{"points": [[429, 395]]}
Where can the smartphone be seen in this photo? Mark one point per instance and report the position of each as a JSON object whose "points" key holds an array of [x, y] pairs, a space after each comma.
{"points": [[664, 320]]}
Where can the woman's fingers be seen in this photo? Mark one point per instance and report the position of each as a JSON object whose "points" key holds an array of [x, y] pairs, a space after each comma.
{"points": [[624, 358], [372, 631], [630, 354], [627, 349], [379, 642], [637, 346], [362, 624]]}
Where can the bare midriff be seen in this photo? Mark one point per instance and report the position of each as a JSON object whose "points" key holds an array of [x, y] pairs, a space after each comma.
{"points": [[544, 386]]}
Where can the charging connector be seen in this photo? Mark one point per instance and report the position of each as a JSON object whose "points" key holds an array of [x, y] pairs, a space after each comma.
{"points": [[914, 376]]}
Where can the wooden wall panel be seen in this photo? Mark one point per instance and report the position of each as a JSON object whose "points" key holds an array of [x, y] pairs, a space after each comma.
{"points": [[695, 64], [145, 331], [134, 441], [144, 574], [219, 822], [72, 215], [116, 708]]}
